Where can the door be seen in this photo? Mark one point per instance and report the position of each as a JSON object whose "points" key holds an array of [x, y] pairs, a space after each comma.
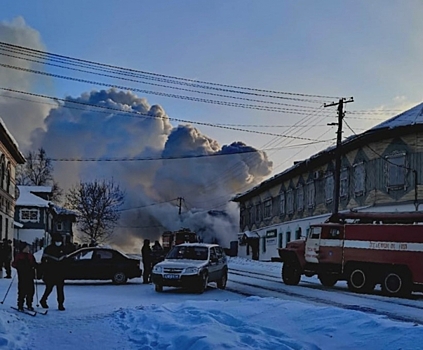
{"points": [[312, 245], [213, 265]]}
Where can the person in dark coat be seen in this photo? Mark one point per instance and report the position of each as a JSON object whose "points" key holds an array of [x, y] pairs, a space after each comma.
{"points": [[157, 253], [146, 261], [7, 257], [53, 271], [25, 264]]}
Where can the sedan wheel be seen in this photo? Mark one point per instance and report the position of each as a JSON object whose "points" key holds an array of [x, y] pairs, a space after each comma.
{"points": [[119, 278]]}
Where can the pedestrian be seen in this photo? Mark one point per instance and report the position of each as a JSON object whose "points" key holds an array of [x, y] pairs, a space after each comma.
{"points": [[157, 253], [53, 267], [146, 261], [7, 257], [25, 265]]}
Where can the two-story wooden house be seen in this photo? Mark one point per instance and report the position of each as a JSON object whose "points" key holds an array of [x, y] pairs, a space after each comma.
{"points": [[36, 217], [381, 171], [10, 157]]}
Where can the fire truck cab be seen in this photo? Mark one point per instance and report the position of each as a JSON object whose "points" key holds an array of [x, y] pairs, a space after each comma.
{"points": [[364, 249]]}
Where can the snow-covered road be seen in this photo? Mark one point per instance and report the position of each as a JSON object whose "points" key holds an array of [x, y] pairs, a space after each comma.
{"points": [[263, 313]]}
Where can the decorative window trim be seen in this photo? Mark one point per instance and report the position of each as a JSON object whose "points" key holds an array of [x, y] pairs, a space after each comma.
{"points": [[267, 208], [282, 203], [258, 212], [290, 201], [359, 192], [29, 215], [403, 168], [329, 191], [344, 176], [300, 198], [311, 194]]}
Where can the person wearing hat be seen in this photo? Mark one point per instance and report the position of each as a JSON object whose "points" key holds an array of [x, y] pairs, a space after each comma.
{"points": [[7, 256], [53, 271], [25, 264]]}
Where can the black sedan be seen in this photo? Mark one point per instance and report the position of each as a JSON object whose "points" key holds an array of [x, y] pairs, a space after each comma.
{"points": [[96, 263]]}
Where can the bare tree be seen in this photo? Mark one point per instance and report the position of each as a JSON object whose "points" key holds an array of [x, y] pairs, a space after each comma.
{"points": [[38, 171], [97, 204]]}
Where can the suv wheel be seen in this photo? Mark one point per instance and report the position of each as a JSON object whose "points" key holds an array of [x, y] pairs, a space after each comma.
{"points": [[158, 288], [221, 284], [203, 283], [119, 278]]}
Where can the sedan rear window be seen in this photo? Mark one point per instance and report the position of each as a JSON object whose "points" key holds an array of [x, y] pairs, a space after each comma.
{"points": [[192, 253]]}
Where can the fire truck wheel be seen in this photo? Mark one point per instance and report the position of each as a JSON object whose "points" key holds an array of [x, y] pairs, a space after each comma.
{"points": [[395, 284], [359, 281], [291, 274], [328, 280]]}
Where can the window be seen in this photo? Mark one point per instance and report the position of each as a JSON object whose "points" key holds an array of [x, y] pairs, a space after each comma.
{"points": [[85, 255], [258, 212], [311, 193], [329, 185], [344, 183], [359, 179], [250, 215], [396, 171], [290, 202], [104, 254], [59, 226], [29, 215], [315, 232], [300, 198], [268, 208], [282, 204], [334, 233]]}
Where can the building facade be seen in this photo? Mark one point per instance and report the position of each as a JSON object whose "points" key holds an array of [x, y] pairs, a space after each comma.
{"points": [[381, 170], [36, 217], [10, 157]]}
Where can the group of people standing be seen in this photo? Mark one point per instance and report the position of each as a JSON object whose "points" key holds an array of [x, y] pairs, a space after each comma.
{"points": [[150, 257], [52, 272]]}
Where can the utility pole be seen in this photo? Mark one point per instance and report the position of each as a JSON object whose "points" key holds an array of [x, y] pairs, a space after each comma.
{"points": [[338, 152], [180, 199]]}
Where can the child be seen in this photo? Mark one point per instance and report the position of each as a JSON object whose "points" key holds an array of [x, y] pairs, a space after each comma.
{"points": [[25, 264]]}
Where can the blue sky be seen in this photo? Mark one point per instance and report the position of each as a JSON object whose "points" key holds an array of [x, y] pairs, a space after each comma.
{"points": [[369, 50]]}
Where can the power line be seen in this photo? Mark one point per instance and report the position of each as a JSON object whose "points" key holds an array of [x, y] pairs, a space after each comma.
{"points": [[146, 115], [121, 69]]}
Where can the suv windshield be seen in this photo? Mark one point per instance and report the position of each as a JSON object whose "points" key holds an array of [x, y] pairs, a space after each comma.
{"points": [[192, 253]]}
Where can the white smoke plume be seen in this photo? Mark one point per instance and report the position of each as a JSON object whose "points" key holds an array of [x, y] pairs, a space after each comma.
{"points": [[21, 117], [152, 187], [69, 130]]}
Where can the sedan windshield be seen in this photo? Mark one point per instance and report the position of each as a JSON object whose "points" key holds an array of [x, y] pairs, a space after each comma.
{"points": [[192, 253]]}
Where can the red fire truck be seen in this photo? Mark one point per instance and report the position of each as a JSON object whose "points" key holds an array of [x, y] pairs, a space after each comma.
{"points": [[172, 238], [364, 249]]}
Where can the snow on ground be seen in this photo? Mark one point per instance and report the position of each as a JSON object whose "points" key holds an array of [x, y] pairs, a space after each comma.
{"points": [[100, 315]]}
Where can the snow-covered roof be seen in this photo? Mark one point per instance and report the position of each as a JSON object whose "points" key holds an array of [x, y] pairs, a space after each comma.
{"points": [[63, 211], [37, 189], [412, 116], [12, 140], [27, 198]]}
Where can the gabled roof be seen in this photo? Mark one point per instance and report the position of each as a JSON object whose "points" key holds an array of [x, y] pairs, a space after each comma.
{"points": [[10, 143], [412, 116], [28, 199]]}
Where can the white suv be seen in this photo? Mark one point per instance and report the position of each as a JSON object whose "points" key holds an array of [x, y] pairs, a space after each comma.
{"points": [[192, 266]]}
